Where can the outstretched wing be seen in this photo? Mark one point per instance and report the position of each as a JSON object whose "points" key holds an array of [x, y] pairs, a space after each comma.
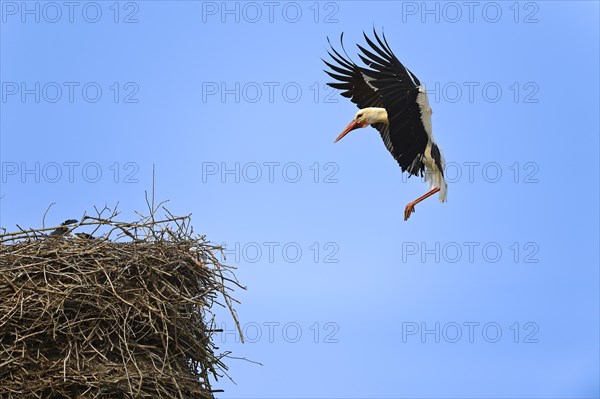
{"points": [[389, 84], [352, 81]]}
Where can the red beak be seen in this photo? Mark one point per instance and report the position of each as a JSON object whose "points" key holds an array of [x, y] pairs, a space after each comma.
{"points": [[353, 125]]}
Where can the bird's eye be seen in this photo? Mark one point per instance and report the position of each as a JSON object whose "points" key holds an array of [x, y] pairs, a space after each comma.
{"points": [[359, 116]]}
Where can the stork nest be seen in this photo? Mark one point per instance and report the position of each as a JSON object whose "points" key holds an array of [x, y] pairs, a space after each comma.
{"points": [[124, 312]]}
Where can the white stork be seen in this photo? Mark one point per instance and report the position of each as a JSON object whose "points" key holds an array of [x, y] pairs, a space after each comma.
{"points": [[393, 101]]}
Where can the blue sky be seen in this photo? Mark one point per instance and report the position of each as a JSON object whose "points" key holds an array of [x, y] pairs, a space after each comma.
{"points": [[494, 294]]}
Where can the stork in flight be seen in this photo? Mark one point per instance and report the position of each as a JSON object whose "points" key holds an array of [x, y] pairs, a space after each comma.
{"points": [[392, 100]]}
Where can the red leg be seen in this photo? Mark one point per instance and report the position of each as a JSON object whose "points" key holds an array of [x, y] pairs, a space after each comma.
{"points": [[410, 208]]}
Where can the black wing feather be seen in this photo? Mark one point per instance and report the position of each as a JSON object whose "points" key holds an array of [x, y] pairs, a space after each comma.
{"points": [[385, 83]]}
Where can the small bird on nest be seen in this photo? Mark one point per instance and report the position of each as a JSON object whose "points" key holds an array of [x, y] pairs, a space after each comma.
{"points": [[84, 236], [63, 229]]}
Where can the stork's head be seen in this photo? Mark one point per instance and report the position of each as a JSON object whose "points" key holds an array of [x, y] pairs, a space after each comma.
{"points": [[363, 118]]}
